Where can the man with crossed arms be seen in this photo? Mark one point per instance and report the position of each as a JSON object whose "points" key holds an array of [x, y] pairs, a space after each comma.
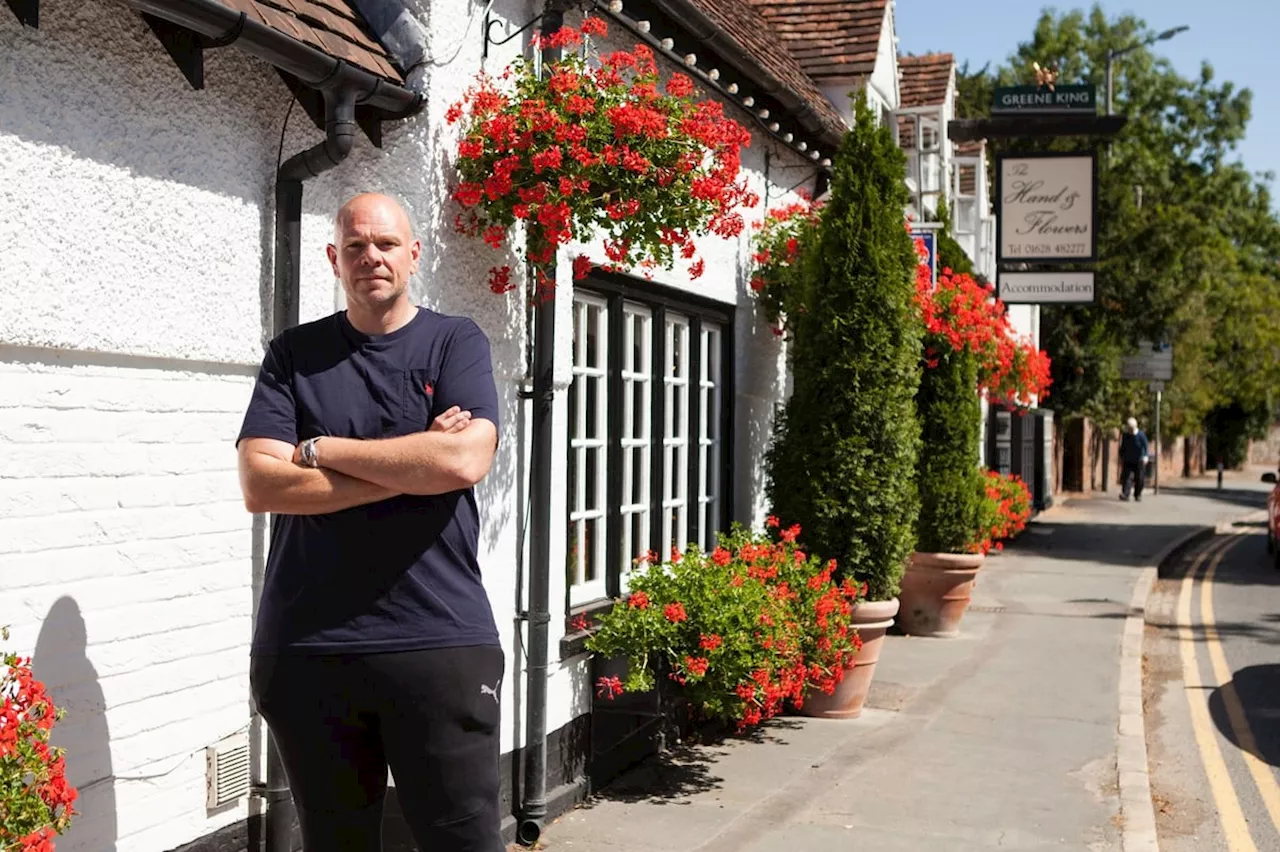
{"points": [[375, 643]]}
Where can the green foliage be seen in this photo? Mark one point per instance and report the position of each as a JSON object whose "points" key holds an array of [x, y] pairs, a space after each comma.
{"points": [[1229, 429], [950, 254], [951, 485], [843, 461], [1188, 239]]}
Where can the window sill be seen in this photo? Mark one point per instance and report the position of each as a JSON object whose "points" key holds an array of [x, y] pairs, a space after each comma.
{"points": [[574, 643]]}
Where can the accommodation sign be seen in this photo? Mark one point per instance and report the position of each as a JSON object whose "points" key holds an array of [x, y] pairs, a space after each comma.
{"points": [[1039, 288], [1046, 208], [1041, 100]]}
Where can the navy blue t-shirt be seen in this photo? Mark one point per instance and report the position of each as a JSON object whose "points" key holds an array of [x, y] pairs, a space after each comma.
{"points": [[400, 574]]}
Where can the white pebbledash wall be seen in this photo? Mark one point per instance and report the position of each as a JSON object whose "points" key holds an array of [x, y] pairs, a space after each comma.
{"points": [[135, 243], [133, 232]]}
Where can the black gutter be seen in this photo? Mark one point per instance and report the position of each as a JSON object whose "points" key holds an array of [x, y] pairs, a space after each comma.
{"points": [[225, 26], [706, 31], [533, 807]]}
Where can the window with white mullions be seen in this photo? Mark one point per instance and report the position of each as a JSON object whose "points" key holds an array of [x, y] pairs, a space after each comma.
{"points": [[637, 434], [587, 555], [709, 440], [675, 435], [648, 434]]}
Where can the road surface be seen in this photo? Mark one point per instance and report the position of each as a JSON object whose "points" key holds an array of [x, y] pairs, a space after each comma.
{"points": [[1212, 696]]}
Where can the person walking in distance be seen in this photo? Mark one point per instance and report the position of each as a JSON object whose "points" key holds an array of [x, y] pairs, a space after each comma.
{"points": [[375, 643], [1134, 454]]}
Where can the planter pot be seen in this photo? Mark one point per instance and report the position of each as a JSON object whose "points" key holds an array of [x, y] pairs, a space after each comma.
{"points": [[936, 591], [872, 619]]}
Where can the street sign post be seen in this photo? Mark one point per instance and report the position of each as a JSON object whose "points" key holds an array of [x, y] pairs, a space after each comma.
{"points": [[1152, 362]]}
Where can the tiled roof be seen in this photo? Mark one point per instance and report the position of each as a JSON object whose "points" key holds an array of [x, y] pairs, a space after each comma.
{"points": [[832, 39], [925, 79], [757, 41], [331, 26]]}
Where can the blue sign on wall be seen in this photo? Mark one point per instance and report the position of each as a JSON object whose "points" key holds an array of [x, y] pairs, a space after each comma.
{"points": [[930, 238]]}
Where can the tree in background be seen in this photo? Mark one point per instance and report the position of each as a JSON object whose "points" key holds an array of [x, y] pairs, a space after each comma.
{"points": [[1187, 236]]}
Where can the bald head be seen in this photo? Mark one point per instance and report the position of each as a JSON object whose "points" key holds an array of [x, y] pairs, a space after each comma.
{"points": [[374, 253], [372, 205]]}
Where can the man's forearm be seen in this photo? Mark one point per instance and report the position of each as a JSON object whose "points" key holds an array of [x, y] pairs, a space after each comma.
{"points": [[421, 463], [284, 488]]}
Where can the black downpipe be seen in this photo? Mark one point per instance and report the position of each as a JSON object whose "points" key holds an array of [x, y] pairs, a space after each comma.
{"points": [[340, 134], [533, 810]]}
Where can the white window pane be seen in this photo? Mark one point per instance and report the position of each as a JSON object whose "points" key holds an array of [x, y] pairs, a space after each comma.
{"points": [[709, 449], [588, 480]]}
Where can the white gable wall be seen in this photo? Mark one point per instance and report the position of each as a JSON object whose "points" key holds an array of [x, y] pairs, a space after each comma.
{"points": [[881, 86]]}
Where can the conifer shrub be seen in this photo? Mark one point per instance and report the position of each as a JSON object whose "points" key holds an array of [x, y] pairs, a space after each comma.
{"points": [[951, 482], [844, 455]]}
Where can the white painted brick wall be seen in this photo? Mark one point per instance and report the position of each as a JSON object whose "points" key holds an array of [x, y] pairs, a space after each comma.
{"points": [[118, 491]]}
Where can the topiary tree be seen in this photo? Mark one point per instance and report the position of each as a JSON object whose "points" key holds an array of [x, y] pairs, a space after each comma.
{"points": [[843, 461], [952, 489], [950, 253]]}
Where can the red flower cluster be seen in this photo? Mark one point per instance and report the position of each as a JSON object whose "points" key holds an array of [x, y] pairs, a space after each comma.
{"points": [[1006, 509], [743, 630], [609, 687], [776, 249], [962, 314], [35, 798], [589, 150]]}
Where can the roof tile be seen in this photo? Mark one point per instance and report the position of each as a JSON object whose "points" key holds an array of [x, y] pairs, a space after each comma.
{"points": [[925, 79], [331, 26], [757, 40], [832, 39]]}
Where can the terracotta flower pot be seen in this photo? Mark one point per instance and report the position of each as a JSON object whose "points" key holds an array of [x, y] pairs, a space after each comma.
{"points": [[935, 592], [872, 618]]}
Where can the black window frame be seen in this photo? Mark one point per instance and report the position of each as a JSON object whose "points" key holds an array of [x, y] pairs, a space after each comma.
{"points": [[616, 289]]}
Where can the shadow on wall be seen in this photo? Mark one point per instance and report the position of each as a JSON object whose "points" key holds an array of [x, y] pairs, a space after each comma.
{"points": [[60, 661], [761, 388], [453, 279]]}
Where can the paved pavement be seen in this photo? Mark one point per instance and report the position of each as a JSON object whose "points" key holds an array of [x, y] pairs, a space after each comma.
{"points": [[1213, 693], [1002, 738]]}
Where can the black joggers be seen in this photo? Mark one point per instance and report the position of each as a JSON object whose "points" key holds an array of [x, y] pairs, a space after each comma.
{"points": [[339, 720]]}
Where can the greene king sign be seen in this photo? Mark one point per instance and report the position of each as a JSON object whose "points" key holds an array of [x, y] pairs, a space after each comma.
{"points": [[1042, 100], [1047, 208]]}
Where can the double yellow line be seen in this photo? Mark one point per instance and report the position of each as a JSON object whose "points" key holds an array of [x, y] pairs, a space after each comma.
{"points": [[1234, 825]]}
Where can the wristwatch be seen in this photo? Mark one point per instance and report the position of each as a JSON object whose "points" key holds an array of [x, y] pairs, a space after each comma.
{"points": [[308, 456]]}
